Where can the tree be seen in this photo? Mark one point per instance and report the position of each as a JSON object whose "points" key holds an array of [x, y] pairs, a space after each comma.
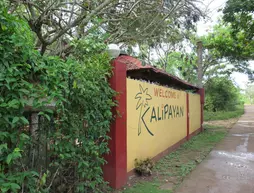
{"points": [[200, 63], [224, 55], [249, 93], [235, 48], [240, 15], [181, 65], [221, 94], [233, 37], [77, 128], [216, 60], [56, 22]]}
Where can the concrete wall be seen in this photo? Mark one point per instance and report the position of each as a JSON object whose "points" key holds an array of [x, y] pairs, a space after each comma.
{"points": [[150, 121], [156, 119], [194, 112]]}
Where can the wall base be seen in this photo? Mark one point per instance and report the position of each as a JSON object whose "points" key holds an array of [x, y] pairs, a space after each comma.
{"points": [[195, 132], [162, 154], [168, 150]]}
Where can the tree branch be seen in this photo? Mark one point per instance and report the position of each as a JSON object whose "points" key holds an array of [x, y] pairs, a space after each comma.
{"points": [[79, 19]]}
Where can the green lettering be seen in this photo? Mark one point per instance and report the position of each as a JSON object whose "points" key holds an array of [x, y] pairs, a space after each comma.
{"points": [[177, 111], [158, 113], [181, 111], [174, 110], [170, 112], [165, 110], [153, 116]]}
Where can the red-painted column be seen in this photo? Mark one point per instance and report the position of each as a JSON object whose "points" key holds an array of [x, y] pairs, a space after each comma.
{"points": [[115, 171], [202, 101], [188, 115]]}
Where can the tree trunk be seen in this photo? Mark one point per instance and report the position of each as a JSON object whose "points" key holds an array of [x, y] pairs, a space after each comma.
{"points": [[200, 65]]}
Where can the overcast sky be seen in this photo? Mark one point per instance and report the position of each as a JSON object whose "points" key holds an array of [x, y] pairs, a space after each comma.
{"points": [[212, 7], [205, 26]]}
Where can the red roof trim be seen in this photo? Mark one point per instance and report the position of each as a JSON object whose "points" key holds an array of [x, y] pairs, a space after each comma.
{"points": [[134, 64]]}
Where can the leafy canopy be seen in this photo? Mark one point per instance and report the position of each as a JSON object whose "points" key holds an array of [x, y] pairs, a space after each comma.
{"points": [[238, 48], [240, 15], [221, 94], [65, 152], [57, 22], [233, 37]]}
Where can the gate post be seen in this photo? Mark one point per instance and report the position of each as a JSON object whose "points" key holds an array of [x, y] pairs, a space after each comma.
{"points": [[115, 171]]}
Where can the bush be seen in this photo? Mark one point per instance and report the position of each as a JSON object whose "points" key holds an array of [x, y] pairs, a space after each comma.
{"points": [[221, 95], [223, 115], [144, 167], [64, 151]]}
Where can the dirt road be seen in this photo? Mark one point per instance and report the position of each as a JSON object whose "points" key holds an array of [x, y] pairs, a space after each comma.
{"points": [[229, 168]]}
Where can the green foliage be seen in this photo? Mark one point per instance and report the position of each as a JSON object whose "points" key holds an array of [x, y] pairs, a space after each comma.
{"points": [[237, 47], [240, 15], [66, 152], [90, 45], [249, 94], [57, 23], [221, 94], [223, 100], [224, 115], [224, 53], [181, 65], [146, 187], [3, 3]]}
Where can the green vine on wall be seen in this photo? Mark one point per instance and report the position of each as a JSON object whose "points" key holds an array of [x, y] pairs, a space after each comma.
{"points": [[64, 152]]}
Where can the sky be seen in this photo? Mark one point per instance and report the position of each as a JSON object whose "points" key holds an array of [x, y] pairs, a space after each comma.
{"points": [[203, 27]]}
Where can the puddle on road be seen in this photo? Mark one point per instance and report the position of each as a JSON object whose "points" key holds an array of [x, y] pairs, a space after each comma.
{"points": [[236, 165], [243, 135], [246, 125], [243, 147], [241, 156]]}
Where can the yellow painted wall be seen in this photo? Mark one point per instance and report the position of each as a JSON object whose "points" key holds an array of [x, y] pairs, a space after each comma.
{"points": [[195, 112], [155, 109]]}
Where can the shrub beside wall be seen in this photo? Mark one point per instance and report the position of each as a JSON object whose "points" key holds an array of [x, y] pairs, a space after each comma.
{"points": [[62, 150]]}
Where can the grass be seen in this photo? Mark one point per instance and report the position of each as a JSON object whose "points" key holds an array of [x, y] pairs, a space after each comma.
{"points": [[223, 115], [175, 166], [146, 187]]}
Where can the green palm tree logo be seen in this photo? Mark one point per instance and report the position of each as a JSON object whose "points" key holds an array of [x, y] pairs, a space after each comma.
{"points": [[143, 98]]}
